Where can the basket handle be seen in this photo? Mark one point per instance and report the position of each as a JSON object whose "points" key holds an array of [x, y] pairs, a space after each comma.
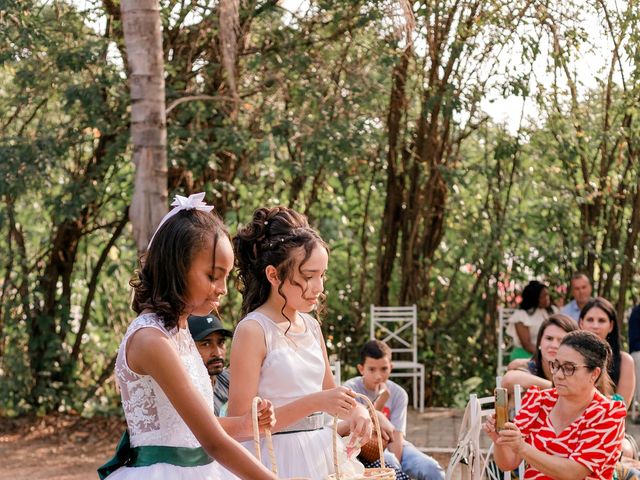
{"points": [[376, 423], [267, 434]]}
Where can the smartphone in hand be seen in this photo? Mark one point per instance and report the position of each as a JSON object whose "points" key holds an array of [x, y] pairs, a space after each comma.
{"points": [[502, 408]]}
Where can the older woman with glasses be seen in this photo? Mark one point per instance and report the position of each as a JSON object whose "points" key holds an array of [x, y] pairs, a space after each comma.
{"points": [[571, 431]]}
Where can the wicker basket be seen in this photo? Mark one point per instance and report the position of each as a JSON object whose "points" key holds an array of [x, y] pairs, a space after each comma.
{"points": [[382, 473], [369, 451], [269, 441]]}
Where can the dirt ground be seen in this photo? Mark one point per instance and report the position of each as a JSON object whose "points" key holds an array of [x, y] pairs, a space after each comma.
{"points": [[56, 447], [65, 447], [71, 448]]}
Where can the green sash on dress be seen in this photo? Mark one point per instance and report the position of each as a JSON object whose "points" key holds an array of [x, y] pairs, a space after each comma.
{"points": [[127, 456]]}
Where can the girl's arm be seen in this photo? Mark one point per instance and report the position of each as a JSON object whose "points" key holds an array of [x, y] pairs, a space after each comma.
{"points": [[359, 420], [524, 379], [248, 351], [525, 337], [518, 364], [627, 383], [150, 352], [241, 428]]}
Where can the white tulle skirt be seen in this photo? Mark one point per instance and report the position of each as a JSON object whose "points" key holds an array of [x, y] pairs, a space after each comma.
{"points": [[164, 471], [301, 454]]}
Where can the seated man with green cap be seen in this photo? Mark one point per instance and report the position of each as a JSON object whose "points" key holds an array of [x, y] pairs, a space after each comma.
{"points": [[210, 337]]}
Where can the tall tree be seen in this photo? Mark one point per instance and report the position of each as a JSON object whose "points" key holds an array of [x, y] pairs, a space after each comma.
{"points": [[463, 40], [143, 40]]}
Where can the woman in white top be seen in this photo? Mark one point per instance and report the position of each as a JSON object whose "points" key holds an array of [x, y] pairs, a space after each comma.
{"points": [[525, 322], [278, 350]]}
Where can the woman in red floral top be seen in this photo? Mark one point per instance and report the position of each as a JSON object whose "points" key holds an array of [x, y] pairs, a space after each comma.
{"points": [[571, 431]]}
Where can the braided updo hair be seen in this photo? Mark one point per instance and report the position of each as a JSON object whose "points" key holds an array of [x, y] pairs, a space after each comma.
{"points": [[595, 352], [273, 237]]}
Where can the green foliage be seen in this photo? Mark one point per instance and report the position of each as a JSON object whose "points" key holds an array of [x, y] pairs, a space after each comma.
{"points": [[310, 130]]}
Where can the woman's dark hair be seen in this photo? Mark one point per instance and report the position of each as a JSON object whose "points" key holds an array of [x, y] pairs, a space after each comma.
{"points": [[160, 283], [613, 338], [564, 322], [531, 297], [273, 237], [596, 353]]}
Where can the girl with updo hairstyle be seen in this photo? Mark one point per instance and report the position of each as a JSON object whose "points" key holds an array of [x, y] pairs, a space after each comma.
{"points": [[278, 351], [571, 430]]}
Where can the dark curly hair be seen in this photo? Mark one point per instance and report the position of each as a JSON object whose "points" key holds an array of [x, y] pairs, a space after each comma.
{"points": [[531, 297], [160, 283], [273, 237], [613, 338], [596, 353]]}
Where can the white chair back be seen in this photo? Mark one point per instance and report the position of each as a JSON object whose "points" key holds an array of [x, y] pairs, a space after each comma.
{"points": [[503, 342], [335, 366], [398, 327]]}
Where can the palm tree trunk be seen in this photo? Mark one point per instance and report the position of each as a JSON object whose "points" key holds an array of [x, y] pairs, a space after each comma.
{"points": [[143, 41]]}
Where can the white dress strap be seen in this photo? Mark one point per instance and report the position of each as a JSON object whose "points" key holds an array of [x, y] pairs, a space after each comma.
{"points": [[267, 328]]}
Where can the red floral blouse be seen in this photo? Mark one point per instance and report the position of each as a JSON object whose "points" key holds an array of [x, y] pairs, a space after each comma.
{"points": [[593, 440]]}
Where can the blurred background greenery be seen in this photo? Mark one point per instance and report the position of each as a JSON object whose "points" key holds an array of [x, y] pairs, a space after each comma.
{"points": [[368, 116]]}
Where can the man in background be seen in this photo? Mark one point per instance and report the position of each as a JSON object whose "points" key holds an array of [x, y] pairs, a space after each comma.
{"points": [[581, 291], [211, 339]]}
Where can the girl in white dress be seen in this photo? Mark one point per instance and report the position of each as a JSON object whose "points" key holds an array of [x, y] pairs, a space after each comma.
{"points": [[166, 391], [278, 351]]}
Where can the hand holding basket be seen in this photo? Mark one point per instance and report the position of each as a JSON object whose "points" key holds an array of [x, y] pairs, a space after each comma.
{"points": [[382, 473], [269, 441]]}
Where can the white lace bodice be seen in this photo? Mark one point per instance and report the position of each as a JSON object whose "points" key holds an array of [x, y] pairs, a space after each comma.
{"points": [[151, 418], [294, 365]]}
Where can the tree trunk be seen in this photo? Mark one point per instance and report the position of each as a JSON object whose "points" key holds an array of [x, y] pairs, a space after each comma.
{"points": [[395, 183], [143, 40]]}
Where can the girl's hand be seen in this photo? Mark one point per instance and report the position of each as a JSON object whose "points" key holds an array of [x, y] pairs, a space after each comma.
{"points": [[266, 418], [266, 415], [360, 424], [338, 401], [510, 436], [490, 427]]}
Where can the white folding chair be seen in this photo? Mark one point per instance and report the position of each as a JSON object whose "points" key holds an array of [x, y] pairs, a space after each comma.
{"points": [[503, 316], [475, 463], [335, 369], [398, 328]]}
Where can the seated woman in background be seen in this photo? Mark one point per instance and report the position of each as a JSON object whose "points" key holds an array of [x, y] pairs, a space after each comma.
{"points": [[572, 430], [599, 316], [525, 322], [536, 371]]}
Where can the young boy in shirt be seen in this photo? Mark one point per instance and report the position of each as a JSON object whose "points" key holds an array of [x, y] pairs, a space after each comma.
{"points": [[375, 367]]}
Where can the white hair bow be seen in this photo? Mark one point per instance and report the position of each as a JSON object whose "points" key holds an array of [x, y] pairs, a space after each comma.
{"points": [[192, 202]]}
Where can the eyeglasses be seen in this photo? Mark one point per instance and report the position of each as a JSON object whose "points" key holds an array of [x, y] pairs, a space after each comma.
{"points": [[568, 369]]}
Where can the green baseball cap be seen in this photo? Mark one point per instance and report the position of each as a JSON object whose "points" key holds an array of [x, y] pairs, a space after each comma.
{"points": [[203, 326]]}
